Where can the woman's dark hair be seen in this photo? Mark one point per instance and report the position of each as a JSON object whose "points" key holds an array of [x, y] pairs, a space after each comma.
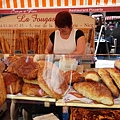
{"points": [[63, 19]]}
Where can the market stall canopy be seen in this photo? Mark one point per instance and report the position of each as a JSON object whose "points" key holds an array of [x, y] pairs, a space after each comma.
{"points": [[53, 3]]}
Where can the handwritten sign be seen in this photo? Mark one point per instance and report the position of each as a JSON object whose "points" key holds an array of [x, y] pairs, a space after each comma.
{"points": [[46, 20]]}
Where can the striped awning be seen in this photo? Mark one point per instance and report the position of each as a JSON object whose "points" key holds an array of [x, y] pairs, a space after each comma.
{"points": [[13, 4]]}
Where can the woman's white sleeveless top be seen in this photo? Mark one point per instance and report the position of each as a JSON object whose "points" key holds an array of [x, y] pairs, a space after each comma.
{"points": [[64, 46]]}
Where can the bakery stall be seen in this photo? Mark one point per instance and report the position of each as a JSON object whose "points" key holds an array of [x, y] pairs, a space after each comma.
{"points": [[20, 36]]}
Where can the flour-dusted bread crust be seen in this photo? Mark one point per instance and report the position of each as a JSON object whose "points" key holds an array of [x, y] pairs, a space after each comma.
{"points": [[74, 75], [3, 93], [108, 81], [95, 91], [13, 83], [32, 90], [114, 73], [24, 67], [92, 75], [51, 79]]}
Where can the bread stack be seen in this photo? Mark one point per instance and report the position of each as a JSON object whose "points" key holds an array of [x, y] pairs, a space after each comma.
{"points": [[40, 78]]}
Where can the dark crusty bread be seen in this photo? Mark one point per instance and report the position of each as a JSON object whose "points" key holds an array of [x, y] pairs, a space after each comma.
{"points": [[3, 93], [108, 81], [24, 67], [95, 91], [74, 75], [94, 114], [13, 83]]}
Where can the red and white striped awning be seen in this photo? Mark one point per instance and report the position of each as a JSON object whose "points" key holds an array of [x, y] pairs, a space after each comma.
{"points": [[13, 4]]}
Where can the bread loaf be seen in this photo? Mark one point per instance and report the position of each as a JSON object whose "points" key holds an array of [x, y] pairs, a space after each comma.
{"points": [[3, 93], [108, 81], [51, 79], [94, 114], [32, 90], [114, 73], [24, 67], [92, 75], [117, 64], [95, 91], [13, 83], [73, 75]]}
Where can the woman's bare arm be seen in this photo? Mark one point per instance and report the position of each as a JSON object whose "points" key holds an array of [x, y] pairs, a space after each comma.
{"points": [[80, 48], [49, 48]]}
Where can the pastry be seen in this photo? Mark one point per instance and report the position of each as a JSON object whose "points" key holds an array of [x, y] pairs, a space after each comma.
{"points": [[73, 76], [51, 79], [92, 75], [114, 73], [24, 67], [13, 83], [108, 81], [32, 90], [95, 91], [3, 93]]}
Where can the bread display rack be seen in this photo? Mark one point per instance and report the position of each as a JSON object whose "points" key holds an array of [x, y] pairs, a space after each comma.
{"points": [[33, 40]]}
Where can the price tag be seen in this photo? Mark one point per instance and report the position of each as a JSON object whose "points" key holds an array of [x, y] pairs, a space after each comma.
{"points": [[47, 104], [31, 52], [18, 51], [0, 51]]}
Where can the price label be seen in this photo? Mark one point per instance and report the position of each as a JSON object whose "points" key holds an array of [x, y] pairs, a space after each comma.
{"points": [[31, 52], [18, 51]]}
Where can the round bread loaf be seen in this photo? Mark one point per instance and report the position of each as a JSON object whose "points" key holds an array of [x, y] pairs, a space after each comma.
{"points": [[24, 67], [51, 79], [32, 90], [73, 76], [13, 83]]}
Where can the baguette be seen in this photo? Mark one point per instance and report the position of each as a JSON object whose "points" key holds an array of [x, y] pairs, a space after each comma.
{"points": [[108, 81]]}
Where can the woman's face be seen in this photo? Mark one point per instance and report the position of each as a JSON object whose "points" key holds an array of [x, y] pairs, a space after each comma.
{"points": [[64, 30]]}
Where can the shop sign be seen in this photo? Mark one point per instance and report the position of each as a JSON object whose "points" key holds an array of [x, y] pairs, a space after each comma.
{"points": [[37, 20]]}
